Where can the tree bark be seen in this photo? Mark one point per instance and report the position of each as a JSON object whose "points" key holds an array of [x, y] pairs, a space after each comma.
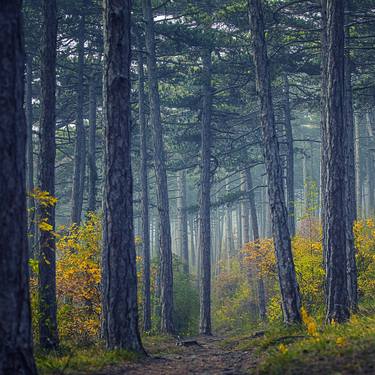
{"points": [[291, 302], [119, 280], [370, 164], [16, 354], [323, 123], [229, 223], [93, 174], [245, 210], [166, 271], [80, 146], [289, 159], [192, 257], [255, 230], [48, 334], [182, 220], [29, 153], [204, 199], [350, 195], [358, 174], [337, 299], [144, 195]]}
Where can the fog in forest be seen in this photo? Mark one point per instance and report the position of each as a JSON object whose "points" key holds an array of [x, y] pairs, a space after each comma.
{"points": [[187, 187]]}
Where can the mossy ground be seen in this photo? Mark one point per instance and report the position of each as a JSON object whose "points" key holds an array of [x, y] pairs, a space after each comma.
{"points": [[334, 349]]}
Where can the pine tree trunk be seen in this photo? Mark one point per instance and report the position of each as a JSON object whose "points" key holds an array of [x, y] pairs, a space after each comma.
{"points": [[350, 195], [289, 159], [358, 174], [239, 227], [29, 154], [16, 354], [144, 196], [291, 302], [323, 124], [245, 210], [182, 220], [48, 335], [166, 271], [229, 223], [119, 280], [255, 230], [80, 146], [204, 199], [93, 174], [338, 305], [370, 164], [192, 257]]}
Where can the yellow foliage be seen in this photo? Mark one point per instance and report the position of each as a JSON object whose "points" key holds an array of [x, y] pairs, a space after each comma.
{"points": [[78, 279], [44, 198], [44, 226], [341, 341], [283, 349], [310, 323]]}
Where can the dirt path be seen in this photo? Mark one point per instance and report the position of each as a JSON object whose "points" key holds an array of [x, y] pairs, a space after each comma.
{"points": [[207, 358]]}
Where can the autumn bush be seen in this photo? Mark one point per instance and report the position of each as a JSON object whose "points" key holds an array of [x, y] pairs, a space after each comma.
{"points": [[232, 290], [78, 278]]}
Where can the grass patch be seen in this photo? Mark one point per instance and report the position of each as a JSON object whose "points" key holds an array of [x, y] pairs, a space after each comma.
{"points": [[73, 359], [333, 349], [70, 360]]}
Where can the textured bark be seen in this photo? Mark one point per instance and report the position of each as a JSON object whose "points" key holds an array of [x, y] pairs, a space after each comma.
{"points": [[166, 271], [16, 354], [370, 171], [80, 145], [204, 199], [245, 210], [239, 226], [229, 224], [29, 154], [338, 306], [323, 123], [289, 159], [358, 174], [192, 257], [183, 243], [93, 174], [119, 281], [255, 230], [48, 335], [350, 195], [291, 302], [144, 196]]}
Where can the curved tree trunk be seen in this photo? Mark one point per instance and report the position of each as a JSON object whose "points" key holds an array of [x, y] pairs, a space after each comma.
{"points": [[291, 302], [204, 199], [166, 271], [48, 335], [119, 281], [16, 354]]}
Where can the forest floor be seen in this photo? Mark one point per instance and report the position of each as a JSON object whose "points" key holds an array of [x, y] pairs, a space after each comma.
{"points": [[205, 355], [347, 349]]}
